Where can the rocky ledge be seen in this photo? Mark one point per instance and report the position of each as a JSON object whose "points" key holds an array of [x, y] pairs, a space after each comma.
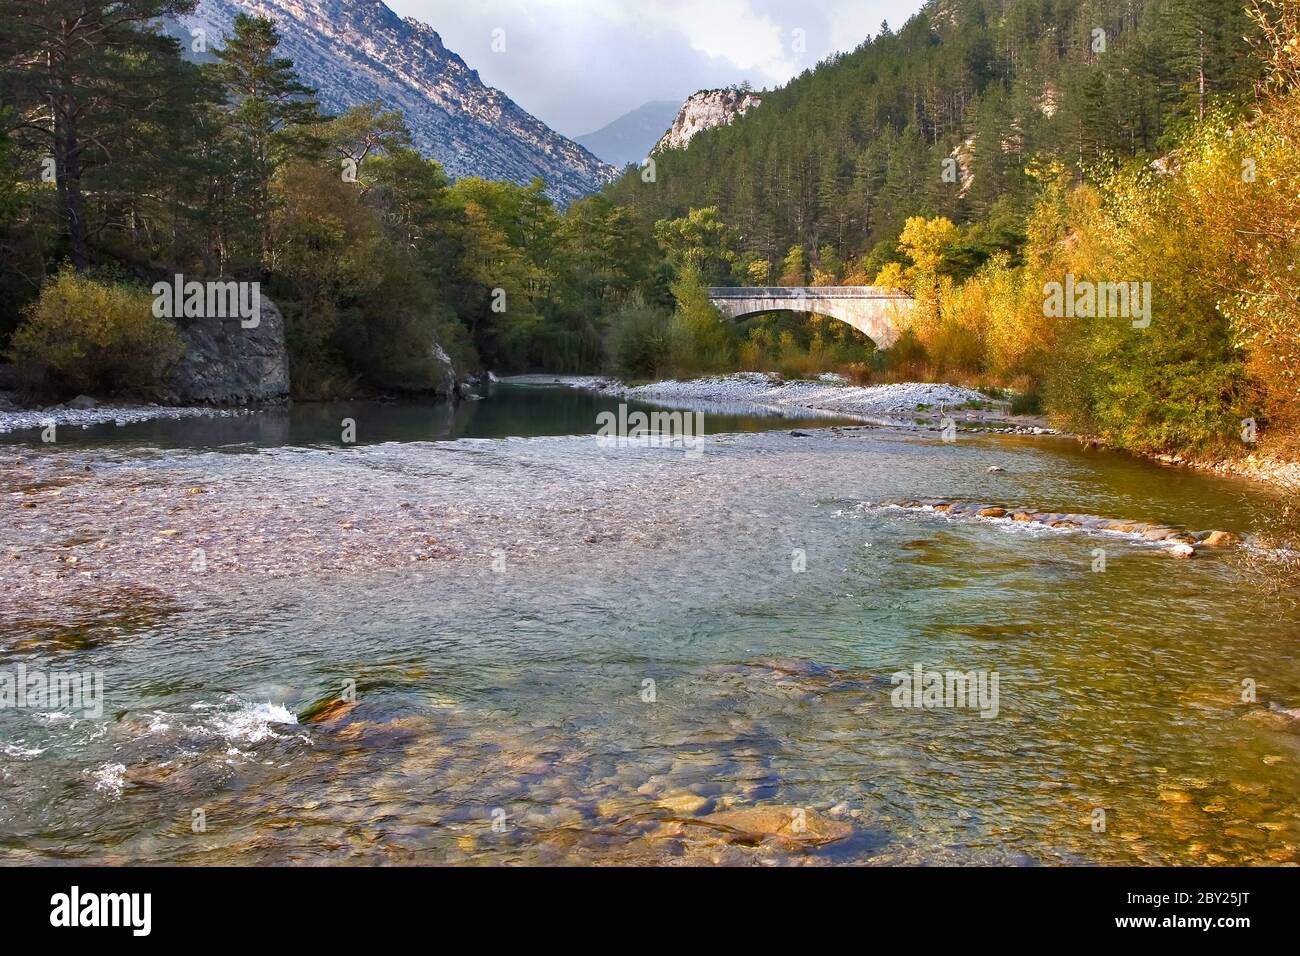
{"points": [[1255, 466], [1179, 542]]}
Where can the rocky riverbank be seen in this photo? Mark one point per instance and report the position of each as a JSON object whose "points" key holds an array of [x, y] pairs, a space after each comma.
{"points": [[83, 412], [905, 404], [1266, 468]]}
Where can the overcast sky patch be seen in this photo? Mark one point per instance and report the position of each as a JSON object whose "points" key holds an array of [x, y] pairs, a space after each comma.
{"points": [[578, 64]]}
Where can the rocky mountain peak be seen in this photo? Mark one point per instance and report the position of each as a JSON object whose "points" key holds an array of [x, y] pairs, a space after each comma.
{"points": [[358, 51], [705, 110]]}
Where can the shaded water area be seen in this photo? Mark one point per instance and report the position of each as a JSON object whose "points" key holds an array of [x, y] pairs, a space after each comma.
{"points": [[565, 652], [506, 411]]}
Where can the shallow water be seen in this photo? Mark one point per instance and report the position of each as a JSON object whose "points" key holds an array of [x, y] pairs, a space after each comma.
{"points": [[502, 603], [499, 411]]}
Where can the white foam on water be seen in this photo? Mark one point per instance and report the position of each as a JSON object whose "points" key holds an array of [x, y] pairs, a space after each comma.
{"points": [[18, 750], [235, 722], [253, 722]]}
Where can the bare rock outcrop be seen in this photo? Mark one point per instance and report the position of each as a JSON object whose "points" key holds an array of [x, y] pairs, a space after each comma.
{"points": [[227, 364], [705, 110]]}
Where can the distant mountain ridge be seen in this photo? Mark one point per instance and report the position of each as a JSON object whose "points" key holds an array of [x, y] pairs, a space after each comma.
{"points": [[630, 138], [357, 51]]}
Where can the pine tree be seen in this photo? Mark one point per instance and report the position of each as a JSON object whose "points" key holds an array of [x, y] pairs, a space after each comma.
{"points": [[85, 77], [267, 120]]}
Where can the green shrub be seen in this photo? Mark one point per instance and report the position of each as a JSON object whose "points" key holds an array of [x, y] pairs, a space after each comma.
{"points": [[703, 343], [1026, 403], [639, 340], [86, 335]]}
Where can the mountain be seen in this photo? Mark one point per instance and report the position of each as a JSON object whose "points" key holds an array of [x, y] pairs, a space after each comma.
{"points": [[952, 115], [630, 138], [706, 109], [358, 51]]}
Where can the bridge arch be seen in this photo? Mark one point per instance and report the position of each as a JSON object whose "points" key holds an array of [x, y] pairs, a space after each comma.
{"points": [[876, 312]]}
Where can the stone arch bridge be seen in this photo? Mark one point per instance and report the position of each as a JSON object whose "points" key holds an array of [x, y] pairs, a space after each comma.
{"points": [[876, 312]]}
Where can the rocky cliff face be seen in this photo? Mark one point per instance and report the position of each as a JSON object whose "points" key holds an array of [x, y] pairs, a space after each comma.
{"points": [[227, 364], [358, 51], [705, 110]]}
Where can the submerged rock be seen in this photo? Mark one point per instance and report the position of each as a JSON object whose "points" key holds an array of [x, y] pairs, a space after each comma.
{"points": [[788, 824], [326, 710], [1182, 544], [684, 803], [1221, 539]]}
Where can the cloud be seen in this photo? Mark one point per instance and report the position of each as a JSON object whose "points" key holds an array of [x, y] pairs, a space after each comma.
{"points": [[577, 64], [731, 30]]}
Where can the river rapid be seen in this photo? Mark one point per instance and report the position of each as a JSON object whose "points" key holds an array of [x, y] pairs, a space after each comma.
{"points": [[479, 636]]}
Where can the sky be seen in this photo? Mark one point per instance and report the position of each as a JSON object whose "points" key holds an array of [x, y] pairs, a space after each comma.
{"points": [[578, 64]]}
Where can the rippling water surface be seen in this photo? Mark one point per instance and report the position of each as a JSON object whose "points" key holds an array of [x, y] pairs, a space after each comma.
{"points": [[563, 652]]}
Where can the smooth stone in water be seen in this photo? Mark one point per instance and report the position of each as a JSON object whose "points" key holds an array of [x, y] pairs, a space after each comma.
{"points": [[324, 711], [793, 824], [1221, 539], [684, 804]]}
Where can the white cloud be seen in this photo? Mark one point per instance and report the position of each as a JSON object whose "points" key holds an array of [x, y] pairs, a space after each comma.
{"points": [[733, 31], [577, 64]]}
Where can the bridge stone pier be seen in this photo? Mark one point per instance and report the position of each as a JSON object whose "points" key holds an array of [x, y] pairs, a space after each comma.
{"points": [[876, 312]]}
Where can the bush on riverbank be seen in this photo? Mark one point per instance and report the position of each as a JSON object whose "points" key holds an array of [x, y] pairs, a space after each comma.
{"points": [[1240, 198], [1279, 570], [702, 343], [639, 341], [798, 347], [87, 335]]}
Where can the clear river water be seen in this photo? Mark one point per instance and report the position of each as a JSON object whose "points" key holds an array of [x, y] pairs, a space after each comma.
{"points": [[478, 636]]}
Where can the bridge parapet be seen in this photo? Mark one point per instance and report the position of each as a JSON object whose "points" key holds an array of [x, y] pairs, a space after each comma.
{"points": [[806, 292]]}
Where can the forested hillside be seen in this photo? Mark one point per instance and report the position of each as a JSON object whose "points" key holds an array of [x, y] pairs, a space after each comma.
{"points": [[982, 156], [123, 163], [843, 154], [991, 152]]}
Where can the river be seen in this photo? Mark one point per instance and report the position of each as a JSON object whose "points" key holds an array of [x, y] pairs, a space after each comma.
{"points": [[535, 648]]}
